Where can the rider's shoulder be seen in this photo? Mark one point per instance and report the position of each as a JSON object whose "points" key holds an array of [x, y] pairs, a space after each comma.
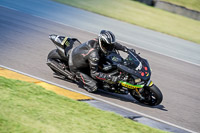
{"points": [[93, 41]]}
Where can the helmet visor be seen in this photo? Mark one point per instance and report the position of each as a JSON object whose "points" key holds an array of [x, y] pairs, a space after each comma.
{"points": [[106, 46]]}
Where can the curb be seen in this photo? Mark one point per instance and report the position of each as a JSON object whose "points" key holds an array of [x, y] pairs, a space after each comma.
{"points": [[58, 90], [94, 101]]}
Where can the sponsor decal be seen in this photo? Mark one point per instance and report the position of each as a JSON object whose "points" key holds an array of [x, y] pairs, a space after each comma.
{"points": [[114, 58], [130, 86], [65, 42]]}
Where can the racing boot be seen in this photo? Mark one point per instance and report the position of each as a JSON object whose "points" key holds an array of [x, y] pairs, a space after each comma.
{"points": [[87, 82]]}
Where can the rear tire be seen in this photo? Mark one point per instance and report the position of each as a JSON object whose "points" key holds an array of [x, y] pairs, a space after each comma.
{"points": [[152, 96], [58, 65], [53, 55]]}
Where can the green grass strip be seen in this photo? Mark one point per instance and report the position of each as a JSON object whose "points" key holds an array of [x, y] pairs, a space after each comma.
{"points": [[28, 108], [142, 15], [190, 4]]}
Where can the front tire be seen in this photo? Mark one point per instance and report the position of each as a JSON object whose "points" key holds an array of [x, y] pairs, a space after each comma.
{"points": [[152, 96]]}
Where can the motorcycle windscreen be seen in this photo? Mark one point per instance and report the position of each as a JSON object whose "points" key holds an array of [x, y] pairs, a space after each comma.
{"points": [[133, 62]]}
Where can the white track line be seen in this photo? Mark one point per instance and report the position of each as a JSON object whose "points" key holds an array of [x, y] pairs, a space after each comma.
{"points": [[131, 44], [134, 111]]}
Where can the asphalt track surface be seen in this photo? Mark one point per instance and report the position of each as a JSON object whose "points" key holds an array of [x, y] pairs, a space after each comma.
{"points": [[135, 35], [24, 45]]}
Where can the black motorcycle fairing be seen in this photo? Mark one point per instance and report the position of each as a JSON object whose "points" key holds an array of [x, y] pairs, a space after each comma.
{"points": [[128, 70], [114, 58], [133, 64]]}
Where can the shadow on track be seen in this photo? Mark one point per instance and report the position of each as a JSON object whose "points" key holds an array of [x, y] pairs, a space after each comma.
{"points": [[122, 97], [127, 98]]}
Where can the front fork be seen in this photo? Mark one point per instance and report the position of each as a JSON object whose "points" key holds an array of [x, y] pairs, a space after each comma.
{"points": [[149, 84], [136, 87], [141, 97]]}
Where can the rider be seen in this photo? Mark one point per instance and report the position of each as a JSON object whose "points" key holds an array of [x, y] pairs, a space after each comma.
{"points": [[88, 54]]}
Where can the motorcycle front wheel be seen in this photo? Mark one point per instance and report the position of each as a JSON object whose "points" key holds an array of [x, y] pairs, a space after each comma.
{"points": [[151, 95]]}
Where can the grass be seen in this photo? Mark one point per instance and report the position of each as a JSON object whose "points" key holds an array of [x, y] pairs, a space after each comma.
{"points": [[142, 15], [28, 108], [190, 4]]}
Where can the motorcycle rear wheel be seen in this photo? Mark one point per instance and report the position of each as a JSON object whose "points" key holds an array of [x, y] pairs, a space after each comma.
{"points": [[152, 96], [58, 65]]}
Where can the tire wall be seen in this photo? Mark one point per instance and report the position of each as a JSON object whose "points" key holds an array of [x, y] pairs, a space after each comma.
{"points": [[173, 8]]}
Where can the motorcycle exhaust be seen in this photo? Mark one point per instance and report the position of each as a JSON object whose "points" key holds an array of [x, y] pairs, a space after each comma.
{"points": [[57, 69]]}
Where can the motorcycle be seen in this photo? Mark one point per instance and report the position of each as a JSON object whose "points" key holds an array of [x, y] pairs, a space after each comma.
{"points": [[134, 69]]}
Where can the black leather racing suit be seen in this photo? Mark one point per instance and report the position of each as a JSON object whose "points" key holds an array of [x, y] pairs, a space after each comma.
{"points": [[84, 61]]}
